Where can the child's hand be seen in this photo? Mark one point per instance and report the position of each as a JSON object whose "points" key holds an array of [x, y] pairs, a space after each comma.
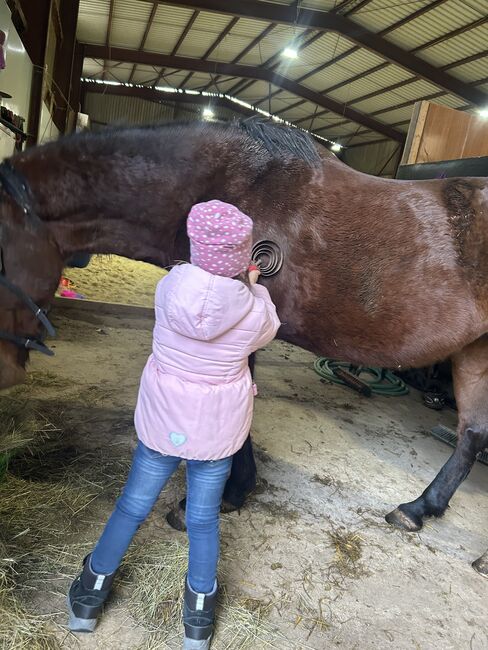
{"points": [[253, 274]]}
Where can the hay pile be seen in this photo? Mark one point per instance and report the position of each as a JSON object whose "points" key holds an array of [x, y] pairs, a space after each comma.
{"points": [[34, 515], [155, 576], [20, 629], [49, 489], [348, 551], [34, 518], [22, 425], [110, 278]]}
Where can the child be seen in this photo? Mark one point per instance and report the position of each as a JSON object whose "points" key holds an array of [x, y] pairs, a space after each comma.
{"points": [[195, 403]]}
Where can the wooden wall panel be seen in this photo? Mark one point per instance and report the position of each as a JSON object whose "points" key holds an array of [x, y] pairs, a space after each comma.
{"points": [[441, 133]]}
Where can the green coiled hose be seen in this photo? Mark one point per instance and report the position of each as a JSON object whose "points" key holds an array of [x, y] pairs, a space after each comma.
{"points": [[381, 382]]}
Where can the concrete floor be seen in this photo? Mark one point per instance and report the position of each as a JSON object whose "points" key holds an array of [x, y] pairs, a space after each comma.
{"points": [[329, 461]]}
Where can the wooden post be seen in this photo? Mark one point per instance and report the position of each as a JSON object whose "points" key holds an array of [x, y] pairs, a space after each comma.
{"points": [[64, 64], [32, 20], [36, 15], [415, 133], [77, 95]]}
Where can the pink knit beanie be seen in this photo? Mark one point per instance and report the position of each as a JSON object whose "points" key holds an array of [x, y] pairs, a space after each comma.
{"points": [[220, 238]]}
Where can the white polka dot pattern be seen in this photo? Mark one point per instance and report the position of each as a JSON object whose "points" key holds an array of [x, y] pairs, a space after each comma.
{"points": [[220, 238]]}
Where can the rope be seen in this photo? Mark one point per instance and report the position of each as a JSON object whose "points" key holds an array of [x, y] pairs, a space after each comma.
{"points": [[380, 381]]}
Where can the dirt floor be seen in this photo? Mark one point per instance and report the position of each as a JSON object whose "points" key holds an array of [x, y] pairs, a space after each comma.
{"points": [[111, 278], [310, 560]]}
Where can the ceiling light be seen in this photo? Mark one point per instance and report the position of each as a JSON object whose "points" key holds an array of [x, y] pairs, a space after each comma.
{"points": [[483, 112], [290, 53], [336, 147], [208, 113]]}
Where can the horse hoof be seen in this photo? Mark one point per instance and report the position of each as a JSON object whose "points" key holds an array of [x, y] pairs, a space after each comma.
{"points": [[176, 518], [400, 519], [227, 506], [234, 499], [481, 565]]}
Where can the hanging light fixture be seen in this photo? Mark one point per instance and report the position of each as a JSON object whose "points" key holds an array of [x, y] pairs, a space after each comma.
{"points": [[290, 52], [208, 113]]}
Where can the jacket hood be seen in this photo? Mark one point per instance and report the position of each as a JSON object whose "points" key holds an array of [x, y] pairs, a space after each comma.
{"points": [[201, 305]]}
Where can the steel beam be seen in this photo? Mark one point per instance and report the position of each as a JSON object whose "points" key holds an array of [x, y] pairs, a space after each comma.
{"points": [[179, 42], [249, 72], [214, 45], [153, 95], [328, 21], [144, 36]]}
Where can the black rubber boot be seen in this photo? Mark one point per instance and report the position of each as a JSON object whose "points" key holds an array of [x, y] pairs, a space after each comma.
{"points": [[198, 618], [86, 598]]}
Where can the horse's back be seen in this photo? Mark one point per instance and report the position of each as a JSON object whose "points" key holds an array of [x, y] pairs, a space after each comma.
{"points": [[387, 272]]}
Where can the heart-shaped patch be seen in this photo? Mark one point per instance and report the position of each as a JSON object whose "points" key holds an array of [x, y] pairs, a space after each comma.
{"points": [[177, 438]]}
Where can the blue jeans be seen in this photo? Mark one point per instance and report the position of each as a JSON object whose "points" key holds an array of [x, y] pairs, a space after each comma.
{"points": [[149, 474]]}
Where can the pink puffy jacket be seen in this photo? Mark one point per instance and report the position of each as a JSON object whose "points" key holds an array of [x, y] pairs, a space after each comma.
{"points": [[196, 396]]}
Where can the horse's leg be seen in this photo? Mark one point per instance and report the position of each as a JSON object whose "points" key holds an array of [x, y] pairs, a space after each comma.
{"points": [[242, 479], [470, 375], [240, 484]]}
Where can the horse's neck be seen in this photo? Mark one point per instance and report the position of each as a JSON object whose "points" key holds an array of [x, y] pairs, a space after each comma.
{"points": [[119, 196]]}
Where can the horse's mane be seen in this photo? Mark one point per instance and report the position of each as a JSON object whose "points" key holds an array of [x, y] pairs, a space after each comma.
{"points": [[282, 142]]}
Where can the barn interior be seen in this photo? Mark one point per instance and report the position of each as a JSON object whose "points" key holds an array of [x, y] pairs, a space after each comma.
{"points": [[396, 90]]}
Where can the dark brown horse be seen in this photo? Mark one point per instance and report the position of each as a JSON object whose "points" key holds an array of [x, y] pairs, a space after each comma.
{"points": [[381, 272]]}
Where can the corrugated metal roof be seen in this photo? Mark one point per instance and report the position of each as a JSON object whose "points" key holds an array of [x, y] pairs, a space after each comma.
{"points": [[126, 33], [321, 5], [396, 115], [167, 27], [256, 91], [130, 22], [356, 63], [130, 10], [113, 109], [295, 113], [92, 8], [472, 71], [350, 92], [90, 67], [449, 100], [203, 34], [142, 76], [328, 46], [222, 85], [93, 21], [275, 42], [459, 47], [249, 28], [239, 38], [438, 22], [325, 122], [380, 14]]}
